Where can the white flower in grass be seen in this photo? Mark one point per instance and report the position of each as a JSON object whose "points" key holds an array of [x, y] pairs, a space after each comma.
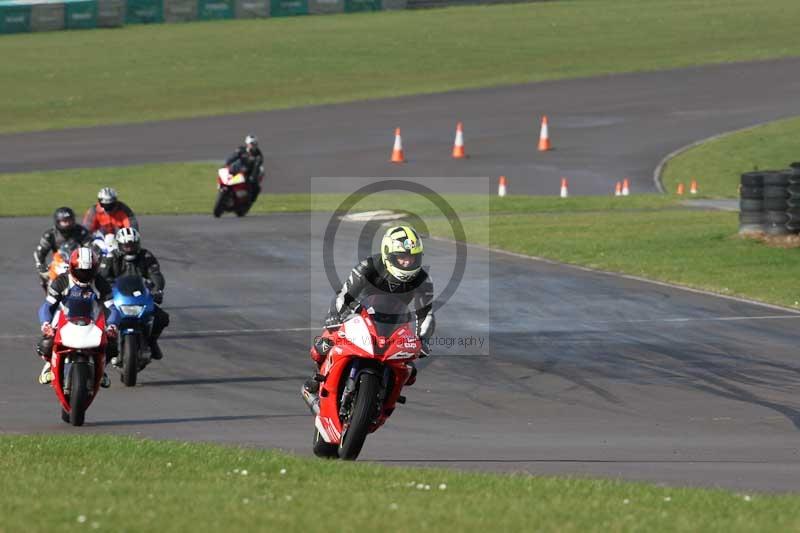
{"points": [[244, 472], [427, 487], [747, 498], [420, 486], [288, 497], [442, 486], [283, 471], [246, 501], [667, 499], [81, 519], [235, 470], [169, 465], [411, 484], [626, 501], [393, 506], [95, 525]]}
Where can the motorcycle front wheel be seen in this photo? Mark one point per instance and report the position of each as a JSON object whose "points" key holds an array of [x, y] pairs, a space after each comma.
{"points": [[80, 376], [361, 417], [130, 360], [219, 203]]}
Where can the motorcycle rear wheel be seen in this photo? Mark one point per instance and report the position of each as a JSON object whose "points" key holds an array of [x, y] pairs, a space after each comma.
{"points": [[79, 393], [324, 449], [130, 360], [360, 417]]}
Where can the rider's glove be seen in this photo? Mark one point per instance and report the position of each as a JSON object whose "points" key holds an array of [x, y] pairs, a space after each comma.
{"points": [[111, 331], [158, 297], [333, 321], [47, 329]]}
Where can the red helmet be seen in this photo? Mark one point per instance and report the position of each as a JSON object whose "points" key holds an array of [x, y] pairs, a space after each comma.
{"points": [[83, 264]]}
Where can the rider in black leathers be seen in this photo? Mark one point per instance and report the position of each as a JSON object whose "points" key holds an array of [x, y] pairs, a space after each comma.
{"points": [[65, 230], [131, 259], [394, 280], [249, 160]]}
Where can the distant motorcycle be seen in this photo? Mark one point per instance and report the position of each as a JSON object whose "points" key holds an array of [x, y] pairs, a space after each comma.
{"points": [[360, 381], [59, 264], [78, 359], [233, 192], [136, 304]]}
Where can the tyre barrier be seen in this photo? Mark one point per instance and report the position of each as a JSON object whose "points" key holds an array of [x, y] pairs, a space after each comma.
{"points": [[769, 201], [751, 203]]}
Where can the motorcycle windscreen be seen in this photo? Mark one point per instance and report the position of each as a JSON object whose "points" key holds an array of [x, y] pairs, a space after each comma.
{"points": [[81, 309], [388, 312], [79, 331], [131, 286]]}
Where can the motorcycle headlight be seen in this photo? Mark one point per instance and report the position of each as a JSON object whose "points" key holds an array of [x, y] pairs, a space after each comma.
{"points": [[131, 310]]}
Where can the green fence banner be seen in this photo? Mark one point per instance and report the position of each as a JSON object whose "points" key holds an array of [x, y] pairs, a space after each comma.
{"points": [[14, 18], [352, 6], [287, 8], [80, 14], [216, 9], [144, 11]]}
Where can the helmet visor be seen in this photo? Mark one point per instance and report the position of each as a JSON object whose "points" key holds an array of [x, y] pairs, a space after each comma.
{"points": [[83, 275], [129, 248], [65, 223], [406, 261], [109, 206]]}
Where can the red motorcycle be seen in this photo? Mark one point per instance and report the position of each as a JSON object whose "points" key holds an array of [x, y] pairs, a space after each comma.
{"points": [[360, 380], [78, 358], [233, 192]]}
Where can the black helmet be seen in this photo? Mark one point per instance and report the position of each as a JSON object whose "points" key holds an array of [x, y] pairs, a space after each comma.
{"points": [[64, 220]]}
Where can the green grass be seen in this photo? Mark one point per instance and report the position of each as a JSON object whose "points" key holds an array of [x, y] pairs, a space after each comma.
{"points": [[693, 248], [182, 188], [717, 164], [153, 72], [83, 483], [643, 235]]}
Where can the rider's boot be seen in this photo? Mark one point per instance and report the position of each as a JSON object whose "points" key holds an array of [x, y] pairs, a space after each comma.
{"points": [[412, 378], [46, 376], [155, 350]]}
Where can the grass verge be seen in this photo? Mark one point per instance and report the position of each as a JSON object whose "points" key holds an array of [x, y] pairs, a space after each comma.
{"points": [[154, 72], [717, 164], [643, 235], [79, 483]]}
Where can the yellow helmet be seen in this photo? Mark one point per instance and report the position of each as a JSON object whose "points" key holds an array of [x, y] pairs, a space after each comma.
{"points": [[401, 251]]}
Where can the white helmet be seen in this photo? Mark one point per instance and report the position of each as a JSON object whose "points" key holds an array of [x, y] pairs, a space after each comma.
{"points": [[107, 198], [129, 242], [251, 139]]}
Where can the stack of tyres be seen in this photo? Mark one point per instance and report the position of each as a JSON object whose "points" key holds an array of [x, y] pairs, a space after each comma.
{"points": [[751, 203], [794, 198], [776, 202]]}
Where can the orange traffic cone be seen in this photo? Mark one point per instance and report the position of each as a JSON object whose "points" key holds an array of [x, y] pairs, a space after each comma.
{"points": [[680, 189], [564, 189], [458, 145], [501, 187], [693, 187], [618, 189], [544, 136], [626, 190], [397, 151]]}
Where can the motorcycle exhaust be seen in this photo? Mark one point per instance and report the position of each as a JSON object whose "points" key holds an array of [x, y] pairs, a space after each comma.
{"points": [[311, 399]]}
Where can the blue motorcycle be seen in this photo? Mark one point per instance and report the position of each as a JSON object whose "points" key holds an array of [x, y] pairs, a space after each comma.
{"points": [[135, 304]]}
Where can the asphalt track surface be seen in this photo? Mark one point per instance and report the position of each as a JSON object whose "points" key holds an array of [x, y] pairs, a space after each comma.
{"points": [[602, 129], [580, 372]]}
